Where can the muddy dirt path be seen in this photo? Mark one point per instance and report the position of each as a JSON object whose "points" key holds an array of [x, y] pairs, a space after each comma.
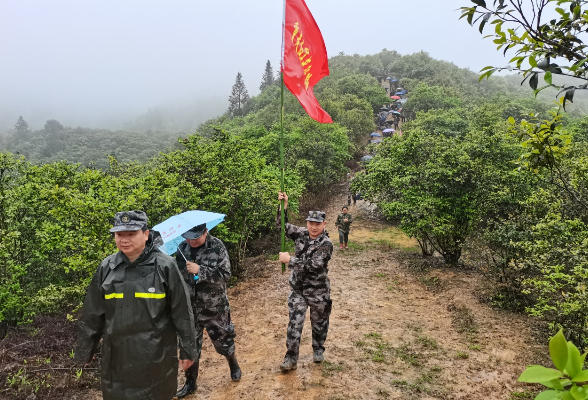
{"points": [[393, 333]]}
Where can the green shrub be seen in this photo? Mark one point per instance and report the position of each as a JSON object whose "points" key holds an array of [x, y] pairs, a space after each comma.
{"points": [[568, 380], [437, 187]]}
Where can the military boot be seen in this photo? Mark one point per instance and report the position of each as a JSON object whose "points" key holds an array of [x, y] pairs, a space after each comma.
{"points": [[288, 365], [318, 356], [190, 385], [234, 366]]}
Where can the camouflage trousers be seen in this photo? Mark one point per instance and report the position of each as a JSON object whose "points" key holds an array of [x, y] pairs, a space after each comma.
{"points": [[320, 304], [220, 330]]}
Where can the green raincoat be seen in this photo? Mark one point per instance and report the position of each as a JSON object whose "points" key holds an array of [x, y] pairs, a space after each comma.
{"points": [[139, 310], [344, 226]]}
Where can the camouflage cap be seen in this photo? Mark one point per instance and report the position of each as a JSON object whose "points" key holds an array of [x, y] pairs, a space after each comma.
{"points": [[129, 221], [316, 216], [195, 232]]}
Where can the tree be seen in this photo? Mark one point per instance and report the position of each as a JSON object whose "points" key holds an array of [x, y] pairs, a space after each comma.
{"points": [[238, 97], [425, 97], [53, 126], [268, 76], [537, 44], [21, 125], [439, 187], [521, 27]]}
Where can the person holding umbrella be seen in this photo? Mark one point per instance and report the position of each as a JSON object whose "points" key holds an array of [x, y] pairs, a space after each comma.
{"points": [[205, 265], [138, 305]]}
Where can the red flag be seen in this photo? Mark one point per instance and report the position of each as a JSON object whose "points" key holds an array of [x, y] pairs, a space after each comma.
{"points": [[304, 57]]}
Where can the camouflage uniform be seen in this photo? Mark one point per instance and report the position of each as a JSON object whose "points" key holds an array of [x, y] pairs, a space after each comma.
{"points": [[310, 287], [344, 227], [210, 302]]}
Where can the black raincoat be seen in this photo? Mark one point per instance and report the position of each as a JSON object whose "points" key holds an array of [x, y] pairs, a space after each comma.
{"points": [[139, 310]]}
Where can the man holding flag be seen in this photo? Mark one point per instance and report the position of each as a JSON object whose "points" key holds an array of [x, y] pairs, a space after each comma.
{"points": [[304, 63], [309, 284]]}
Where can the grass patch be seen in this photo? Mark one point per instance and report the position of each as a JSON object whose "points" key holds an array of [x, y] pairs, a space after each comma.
{"points": [[356, 246], [390, 238], [430, 375], [411, 387], [411, 249], [462, 355], [376, 348], [422, 384], [378, 356], [329, 368], [427, 342], [475, 347], [522, 395], [380, 275], [407, 354], [463, 320], [432, 283]]}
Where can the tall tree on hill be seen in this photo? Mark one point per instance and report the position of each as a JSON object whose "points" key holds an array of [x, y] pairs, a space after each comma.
{"points": [[238, 97], [53, 126], [21, 125], [268, 76]]}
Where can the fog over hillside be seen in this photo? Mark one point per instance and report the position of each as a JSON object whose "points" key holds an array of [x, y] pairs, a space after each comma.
{"points": [[102, 64]]}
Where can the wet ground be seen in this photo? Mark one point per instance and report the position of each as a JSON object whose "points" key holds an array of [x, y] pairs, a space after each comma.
{"points": [[401, 328], [395, 333]]}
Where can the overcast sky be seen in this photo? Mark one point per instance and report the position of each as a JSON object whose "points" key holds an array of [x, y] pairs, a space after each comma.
{"points": [[82, 61]]}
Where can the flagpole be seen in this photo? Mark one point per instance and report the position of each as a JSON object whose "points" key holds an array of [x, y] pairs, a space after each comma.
{"points": [[283, 168]]}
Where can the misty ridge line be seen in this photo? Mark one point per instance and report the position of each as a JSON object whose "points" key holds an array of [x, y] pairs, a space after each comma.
{"points": [[154, 131], [158, 129]]}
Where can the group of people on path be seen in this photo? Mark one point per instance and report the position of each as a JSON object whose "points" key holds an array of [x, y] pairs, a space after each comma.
{"points": [[143, 304], [391, 115]]}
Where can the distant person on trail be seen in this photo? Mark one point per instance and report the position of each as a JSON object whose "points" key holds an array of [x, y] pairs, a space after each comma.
{"points": [[309, 283], [382, 119], [204, 256], [138, 305], [343, 224]]}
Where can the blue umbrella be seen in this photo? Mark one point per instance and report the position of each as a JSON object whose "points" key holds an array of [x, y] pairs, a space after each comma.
{"points": [[375, 134], [172, 228], [388, 130], [366, 158]]}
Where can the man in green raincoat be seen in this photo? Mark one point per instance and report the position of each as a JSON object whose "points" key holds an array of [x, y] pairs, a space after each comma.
{"points": [[343, 224], [138, 304]]}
